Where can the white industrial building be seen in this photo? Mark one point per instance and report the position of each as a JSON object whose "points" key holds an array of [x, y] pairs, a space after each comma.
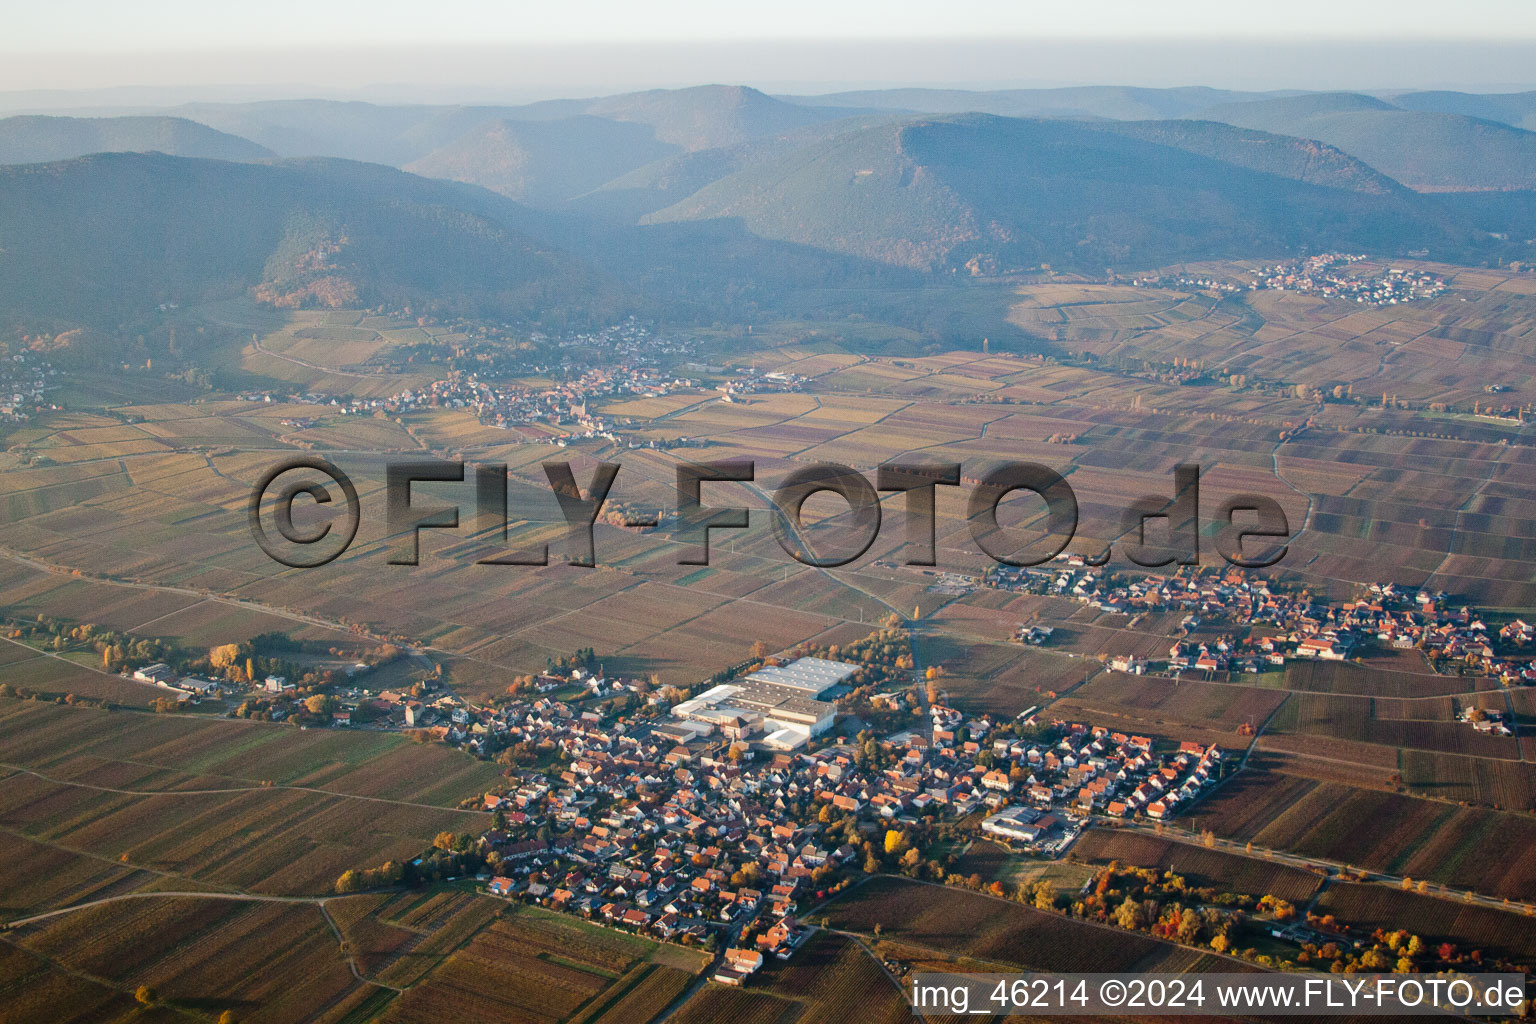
{"points": [[1021, 823], [814, 676], [777, 701]]}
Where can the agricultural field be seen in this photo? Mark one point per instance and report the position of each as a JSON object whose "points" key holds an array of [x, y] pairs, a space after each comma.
{"points": [[643, 993], [1507, 934], [1381, 722], [531, 966], [129, 512], [994, 930], [716, 1004], [1201, 867], [1483, 850], [236, 804], [37, 877], [837, 980], [1164, 705], [263, 961], [829, 980]]}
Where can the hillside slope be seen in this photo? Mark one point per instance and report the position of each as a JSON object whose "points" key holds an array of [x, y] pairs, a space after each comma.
{"points": [[1425, 150], [1121, 103], [710, 116], [30, 139], [934, 193], [545, 162], [1512, 108], [1302, 160], [113, 235]]}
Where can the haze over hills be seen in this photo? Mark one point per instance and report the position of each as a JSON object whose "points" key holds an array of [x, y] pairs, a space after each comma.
{"points": [[545, 162], [934, 193], [1118, 103], [110, 236], [709, 116], [1298, 159], [636, 153], [716, 195], [29, 139], [1515, 108], [1422, 149]]}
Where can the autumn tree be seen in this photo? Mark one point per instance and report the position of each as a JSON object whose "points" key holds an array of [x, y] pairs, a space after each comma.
{"points": [[224, 656]]}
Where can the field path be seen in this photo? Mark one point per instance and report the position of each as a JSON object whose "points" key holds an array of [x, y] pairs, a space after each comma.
{"points": [[1310, 863], [190, 894], [235, 789], [316, 901], [341, 943]]}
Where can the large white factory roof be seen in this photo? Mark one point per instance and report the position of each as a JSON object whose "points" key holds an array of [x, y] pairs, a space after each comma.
{"points": [[813, 675]]}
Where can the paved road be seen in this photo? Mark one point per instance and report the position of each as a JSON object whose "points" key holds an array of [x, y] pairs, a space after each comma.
{"points": [[1337, 868], [729, 938]]}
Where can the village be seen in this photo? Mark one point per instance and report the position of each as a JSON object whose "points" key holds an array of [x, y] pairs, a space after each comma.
{"points": [[722, 814], [1269, 626], [723, 838], [1323, 275], [554, 385], [565, 405], [23, 380]]}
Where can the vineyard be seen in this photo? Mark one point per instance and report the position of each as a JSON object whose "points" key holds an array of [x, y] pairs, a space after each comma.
{"points": [[443, 922], [968, 924], [1501, 933], [1201, 867], [1475, 848], [38, 993], [280, 957], [643, 993], [716, 1004], [1508, 785], [1367, 720], [840, 982], [526, 965]]}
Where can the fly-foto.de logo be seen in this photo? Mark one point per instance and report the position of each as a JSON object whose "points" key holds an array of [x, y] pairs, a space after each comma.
{"points": [[1251, 530]]}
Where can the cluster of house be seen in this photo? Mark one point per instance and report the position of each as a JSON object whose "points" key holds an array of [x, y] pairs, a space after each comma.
{"points": [[1091, 770], [23, 378], [566, 404], [1323, 274], [629, 339], [662, 839], [1279, 625], [754, 382], [676, 835], [1488, 720], [628, 369]]}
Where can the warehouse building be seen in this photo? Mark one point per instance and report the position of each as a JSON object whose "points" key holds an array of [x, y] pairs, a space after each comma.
{"points": [[779, 702]]}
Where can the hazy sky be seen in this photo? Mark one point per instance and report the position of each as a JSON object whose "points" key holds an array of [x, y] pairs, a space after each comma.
{"points": [[554, 47]]}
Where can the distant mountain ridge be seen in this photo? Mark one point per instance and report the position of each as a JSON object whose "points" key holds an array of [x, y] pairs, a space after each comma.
{"points": [[723, 197], [1118, 103], [30, 139], [1426, 150], [112, 235], [545, 162], [631, 154], [1517, 109], [935, 193]]}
